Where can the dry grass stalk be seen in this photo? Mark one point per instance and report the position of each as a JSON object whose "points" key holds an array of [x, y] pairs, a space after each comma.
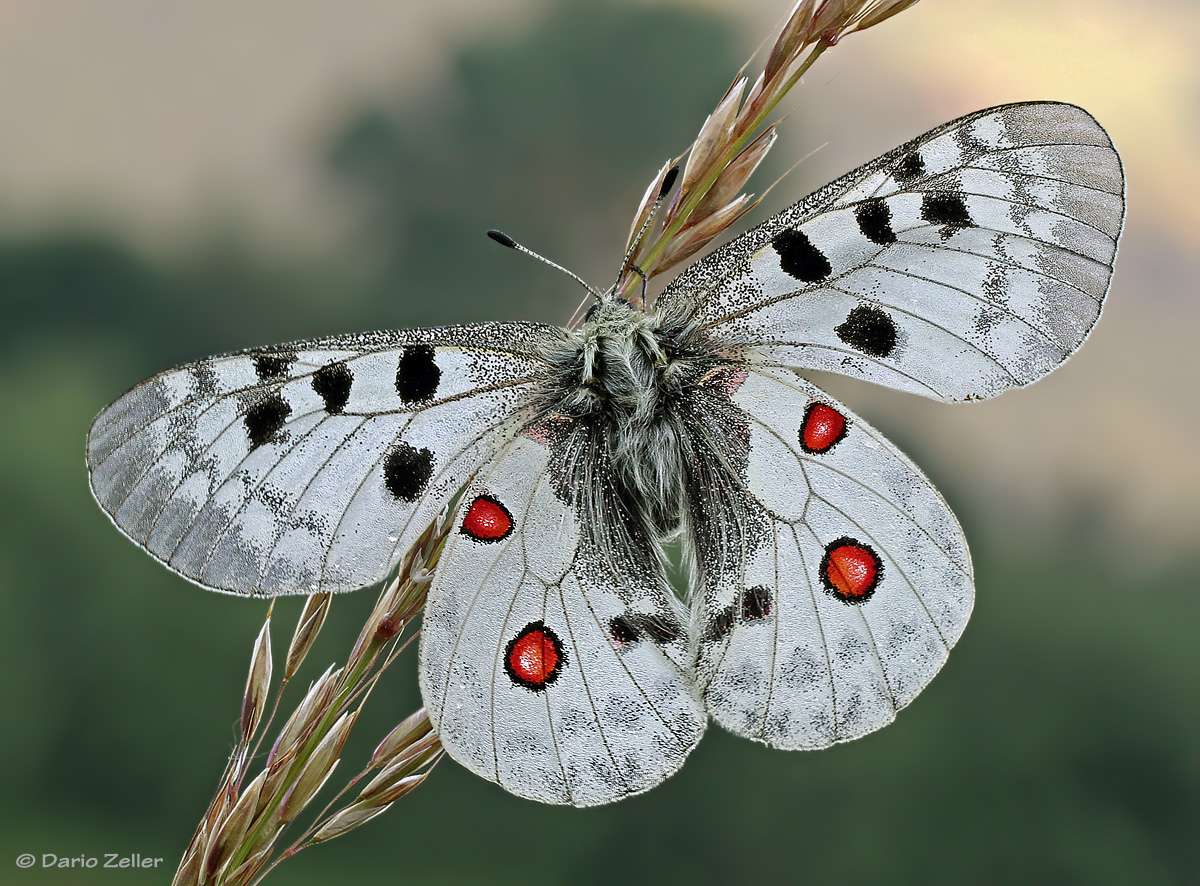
{"points": [[238, 840], [732, 142]]}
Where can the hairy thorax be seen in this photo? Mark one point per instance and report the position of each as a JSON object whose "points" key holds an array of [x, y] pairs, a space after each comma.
{"points": [[620, 383]]}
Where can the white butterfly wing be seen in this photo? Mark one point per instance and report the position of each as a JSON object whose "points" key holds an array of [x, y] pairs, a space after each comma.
{"points": [[971, 260], [853, 583], [308, 466], [546, 667]]}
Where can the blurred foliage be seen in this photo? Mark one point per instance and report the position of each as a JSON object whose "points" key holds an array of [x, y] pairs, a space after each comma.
{"points": [[552, 138], [1062, 743]]}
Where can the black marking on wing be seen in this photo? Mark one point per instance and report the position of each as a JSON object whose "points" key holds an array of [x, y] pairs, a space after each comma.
{"points": [[265, 418], [875, 221], [869, 330], [274, 365], [946, 209], [799, 258], [621, 630], [658, 628], [630, 628], [721, 625], [332, 383], [756, 603], [203, 377], [911, 168], [417, 375], [406, 471]]}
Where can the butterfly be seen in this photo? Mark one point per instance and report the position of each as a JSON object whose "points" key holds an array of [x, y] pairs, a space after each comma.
{"points": [[827, 579]]}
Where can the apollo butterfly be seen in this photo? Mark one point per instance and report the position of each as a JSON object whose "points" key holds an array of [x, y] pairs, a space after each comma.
{"points": [[828, 579]]}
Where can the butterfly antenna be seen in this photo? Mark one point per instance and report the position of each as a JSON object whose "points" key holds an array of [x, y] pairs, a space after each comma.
{"points": [[641, 274], [664, 189], [505, 240]]}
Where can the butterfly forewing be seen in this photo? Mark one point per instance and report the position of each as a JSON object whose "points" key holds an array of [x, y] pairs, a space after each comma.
{"points": [[969, 261], [855, 582], [308, 466], [546, 667]]}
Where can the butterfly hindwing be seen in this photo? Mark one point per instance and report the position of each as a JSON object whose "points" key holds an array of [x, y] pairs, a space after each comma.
{"points": [[854, 584], [307, 466], [971, 260], [545, 666]]}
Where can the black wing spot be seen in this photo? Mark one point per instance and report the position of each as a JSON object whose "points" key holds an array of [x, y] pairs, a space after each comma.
{"points": [[417, 375], [869, 330], [265, 418], [799, 258], [627, 629], [946, 209], [269, 366], [911, 168], [332, 383], [875, 221], [756, 603], [406, 471], [621, 630]]}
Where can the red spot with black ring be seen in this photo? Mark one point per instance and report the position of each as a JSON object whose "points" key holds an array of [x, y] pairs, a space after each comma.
{"points": [[535, 657], [850, 570], [487, 520], [823, 427]]}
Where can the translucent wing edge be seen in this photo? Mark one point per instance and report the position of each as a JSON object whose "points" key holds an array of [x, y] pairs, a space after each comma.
{"points": [[680, 298]]}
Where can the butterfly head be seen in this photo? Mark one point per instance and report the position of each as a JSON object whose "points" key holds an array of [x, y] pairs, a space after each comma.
{"points": [[620, 349], [608, 300]]}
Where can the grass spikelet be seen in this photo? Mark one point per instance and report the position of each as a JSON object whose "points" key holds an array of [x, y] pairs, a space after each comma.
{"points": [[237, 841], [735, 138]]}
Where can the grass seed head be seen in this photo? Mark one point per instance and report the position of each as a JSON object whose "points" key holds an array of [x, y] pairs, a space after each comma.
{"points": [[413, 727], [311, 710], [319, 766], [231, 831], [347, 820], [412, 758], [312, 619], [258, 683]]}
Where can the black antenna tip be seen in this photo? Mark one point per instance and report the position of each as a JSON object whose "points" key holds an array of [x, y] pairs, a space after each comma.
{"points": [[668, 181], [503, 239]]}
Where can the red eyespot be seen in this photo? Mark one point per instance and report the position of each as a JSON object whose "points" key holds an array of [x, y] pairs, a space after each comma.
{"points": [[823, 427], [487, 520], [534, 658], [850, 570]]}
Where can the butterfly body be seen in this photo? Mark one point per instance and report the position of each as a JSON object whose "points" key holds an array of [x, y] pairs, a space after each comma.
{"points": [[826, 578], [620, 384], [623, 385]]}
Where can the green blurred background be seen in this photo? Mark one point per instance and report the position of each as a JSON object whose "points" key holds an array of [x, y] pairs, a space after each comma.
{"points": [[179, 180]]}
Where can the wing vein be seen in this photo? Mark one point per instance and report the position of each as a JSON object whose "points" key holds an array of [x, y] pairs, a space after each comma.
{"points": [[884, 445], [833, 707], [587, 689]]}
